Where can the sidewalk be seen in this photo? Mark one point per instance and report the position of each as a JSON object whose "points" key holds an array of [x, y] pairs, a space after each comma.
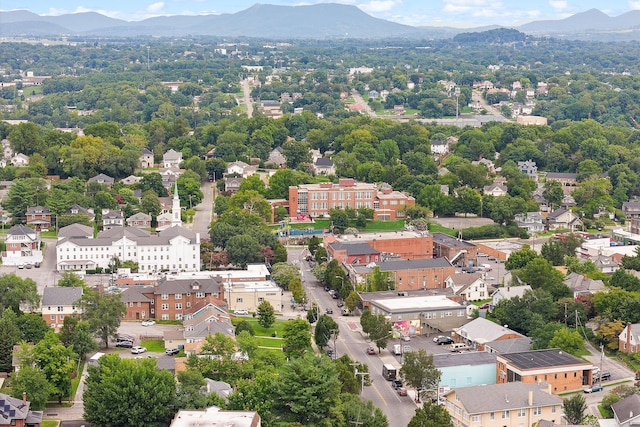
{"points": [[76, 411]]}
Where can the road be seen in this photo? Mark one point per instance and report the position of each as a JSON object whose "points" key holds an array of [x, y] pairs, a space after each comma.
{"points": [[246, 97], [204, 210], [351, 341], [360, 101]]}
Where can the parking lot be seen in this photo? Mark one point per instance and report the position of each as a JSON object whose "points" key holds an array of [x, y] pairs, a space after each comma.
{"points": [[420, 342]]}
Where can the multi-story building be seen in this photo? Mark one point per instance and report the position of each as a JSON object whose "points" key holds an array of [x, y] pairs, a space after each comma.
{"points": [[316, 200], [458, 252], [395, 245], [22, 246], [58, 303], [39, 218], [563, 371], [410, 274], [174, 296], [500, 405]]}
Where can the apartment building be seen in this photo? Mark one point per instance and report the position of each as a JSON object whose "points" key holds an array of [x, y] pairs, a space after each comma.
{"points": [[58, 303], [316, 200]]}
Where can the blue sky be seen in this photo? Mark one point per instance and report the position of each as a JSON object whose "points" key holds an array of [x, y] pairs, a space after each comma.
{"points": [[461, 13]]}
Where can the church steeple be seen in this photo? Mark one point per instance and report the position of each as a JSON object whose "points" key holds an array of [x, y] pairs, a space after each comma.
{"points": [[175, 209]]}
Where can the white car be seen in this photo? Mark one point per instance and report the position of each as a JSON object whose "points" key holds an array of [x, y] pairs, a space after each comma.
{"points": [[148, 322], [241, 312], [138, 350]]}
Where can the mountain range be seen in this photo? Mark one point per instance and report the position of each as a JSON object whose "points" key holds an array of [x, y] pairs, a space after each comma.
{"points": [[314, 21]]}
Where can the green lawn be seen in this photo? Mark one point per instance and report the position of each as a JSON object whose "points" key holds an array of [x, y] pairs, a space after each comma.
{"points": [[324, 224], [277, 327], [49, 423], [76, 381], [269, 342], [437, 228], [156, 346], [50, 234]]}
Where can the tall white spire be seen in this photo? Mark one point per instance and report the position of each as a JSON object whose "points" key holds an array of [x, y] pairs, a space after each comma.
{"points": [[175, 209]]}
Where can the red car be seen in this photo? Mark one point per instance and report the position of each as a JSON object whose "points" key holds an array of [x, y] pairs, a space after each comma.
{"points": [[402, 391], [371, 350]]}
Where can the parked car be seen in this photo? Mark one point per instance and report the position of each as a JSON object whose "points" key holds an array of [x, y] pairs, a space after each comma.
{"points": [[124, 344], [396, 384], [405, 338], [335, 295], [172, 351], [28, 265], [36, 264], [484, 306], [371, 350], [444, 341], [138, 350], [326, 288], [241, 312], [402, 391], [593, 389], [331, 353], [329, 311], [435, 339], [340, 304], [605, 376], [148, 322], [21, 266]]}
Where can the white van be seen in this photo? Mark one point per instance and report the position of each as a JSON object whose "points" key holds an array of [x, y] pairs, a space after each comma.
{"points": [[458, 347], [397, 349], [486, 267]]}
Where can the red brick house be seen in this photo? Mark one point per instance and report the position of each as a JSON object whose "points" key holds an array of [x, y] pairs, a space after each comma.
{"points": [[39, 218], [629, 338]]}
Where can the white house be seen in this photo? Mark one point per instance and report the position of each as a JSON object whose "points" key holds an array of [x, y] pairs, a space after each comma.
{"points": [[472, 287], [495, 190], [241, 168], [172, 158], [508, 292], [22, 246], [565, 219], [59, 302], [20, 160], [532, 222], [146, 158], [626, 412], [112, 218]]}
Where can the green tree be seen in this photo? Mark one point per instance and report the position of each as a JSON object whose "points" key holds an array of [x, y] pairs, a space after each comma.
{"points": [[521, 258], [103, 312], [339, 219], [540, 274], [609, 332], [266, 314], [308, 393], [9, 336], [16, 291], [191, 391], [253, 202], [128, 392], [378, 281], [297, 291], [150, 203], [32, 327], [356, 411], [569, 341], [31, 380], [57, 363], [431, 415], [82, 340], [283, 273], [313, 313], [243, 249], [244, 326], [247, 343], [379, 330], [574, 408], [553, 193], [543, 335], [352, 300], [297, 338], [326, 329], [419, 372], [70, 280], [553, 252]]}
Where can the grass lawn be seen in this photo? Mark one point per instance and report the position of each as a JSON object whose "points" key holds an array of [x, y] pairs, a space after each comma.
{"points": [[324, 224], [156, 346], [51, 234], [76, 381], [278, 327], [49, 423], [433, 227], [269, 342]]}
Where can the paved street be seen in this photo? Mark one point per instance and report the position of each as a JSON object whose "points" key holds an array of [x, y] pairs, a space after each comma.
{"points": [[246, 97], [204, 211]]}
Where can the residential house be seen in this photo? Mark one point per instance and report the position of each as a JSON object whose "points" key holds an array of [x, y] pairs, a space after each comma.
{"points": [[79, 210], [563, 371], [75, 230], [629, 338], [606, 264], [439, 147], [495, 190], [406, 274], [20, 160], [164, 221], [398, 110], [171, 159], [465, 369], [374, 94], [568, 201], [491, 167], [15, 412], [324, 166], [532, 222], [241, 169], [270, 108], [277, 157], [315, 200], [173, 249], [209, 319], [353, 253], [169, 177], [529, 168], [140, 302], [220, 388], [458, 252], [102, 179], [563, 218], [146, 159], [566, 179], [58, 303], [508, 292], [22, 246], [139, 220], [538, 197], [39, 218], [232, 183], [215, 417], [7, 151], [131, 180], [499, 405], [471, 287], [481, 331], [582, 285], [631, 209], [626, 412], [112, 218]]}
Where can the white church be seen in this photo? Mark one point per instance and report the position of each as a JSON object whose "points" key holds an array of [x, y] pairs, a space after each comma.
{"points": [[173, 249]]}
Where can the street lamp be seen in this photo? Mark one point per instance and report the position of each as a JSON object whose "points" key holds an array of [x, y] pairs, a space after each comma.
{"points": [[456, 92]]}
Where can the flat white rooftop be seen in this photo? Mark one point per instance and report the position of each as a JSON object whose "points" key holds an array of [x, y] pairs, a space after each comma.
{"points": [[431, 302]]}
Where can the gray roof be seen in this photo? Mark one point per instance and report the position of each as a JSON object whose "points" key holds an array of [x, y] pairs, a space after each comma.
{"points": [[140, 216], [542, 359], [452, 242], [482, 331], [102, 178], [515, 345], [166, 363], [20, 230], [204, 329], [37, 210], [172, 155], [414, 264], [354, 248], [474, 358], [112, 214], [75, 230], [465, 279], [14, 409], [209, 285], [561, 175], [555, 214], [141, 237], [61, 295], [502, 397], [579, 283], [135, 294], [324, 162], [627, 409]]}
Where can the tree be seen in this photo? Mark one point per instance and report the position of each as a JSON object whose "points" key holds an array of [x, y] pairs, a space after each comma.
{"points": [[283, 273], [352, 300], [103, 312], [379, 331], [191, 391], [553, 193], [253, 202], [308, 393], [243, 249], [70, 280], [431, 415], [31, 380], [358, 412], [419, 372], [378, 281], [326, 328], [339, 219], [569, 341], [574, 408], [266, 314], [609, 332], [247, 343], [82, 340], [297, 338], [313, 313], [32, 327], [57, 363], [244, 326], [150, 203], [521, 258], [297, 291], [16, 292], [128, 392], [9, 336], [553, 252]]}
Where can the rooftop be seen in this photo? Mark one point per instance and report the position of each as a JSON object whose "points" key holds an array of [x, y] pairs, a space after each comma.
{"points": [[447, 240], [54, 296], [474, 358], [542, 359], [417, 303], [501, 397]]}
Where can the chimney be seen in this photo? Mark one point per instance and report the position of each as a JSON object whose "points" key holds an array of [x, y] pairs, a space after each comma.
{"points": [[24, 397], [530, 398]]}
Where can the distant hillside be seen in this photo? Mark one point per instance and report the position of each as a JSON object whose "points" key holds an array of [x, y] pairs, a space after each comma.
{"points": [[499, 35], [315, 21]]}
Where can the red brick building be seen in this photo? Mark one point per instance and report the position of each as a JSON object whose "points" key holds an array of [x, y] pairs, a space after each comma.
{"points": [[392, 245], [39, 218], [410, 274], [459, 252]]}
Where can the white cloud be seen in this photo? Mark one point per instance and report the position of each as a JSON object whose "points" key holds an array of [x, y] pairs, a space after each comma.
{"points": [[378, 6], [559, 5], [465, 6], [634, 4], [155, 7]]}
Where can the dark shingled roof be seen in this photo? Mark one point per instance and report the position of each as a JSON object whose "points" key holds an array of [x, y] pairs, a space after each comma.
{"points": [[354, 248], [542, 359], [452, 242], [414, 264], [461, 359], [627, 408]]}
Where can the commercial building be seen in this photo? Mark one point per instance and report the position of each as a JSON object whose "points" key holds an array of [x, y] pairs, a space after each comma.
{"points": [[316, 200], [392, 245], [458, 252], [465, 369], [407, 275]]}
